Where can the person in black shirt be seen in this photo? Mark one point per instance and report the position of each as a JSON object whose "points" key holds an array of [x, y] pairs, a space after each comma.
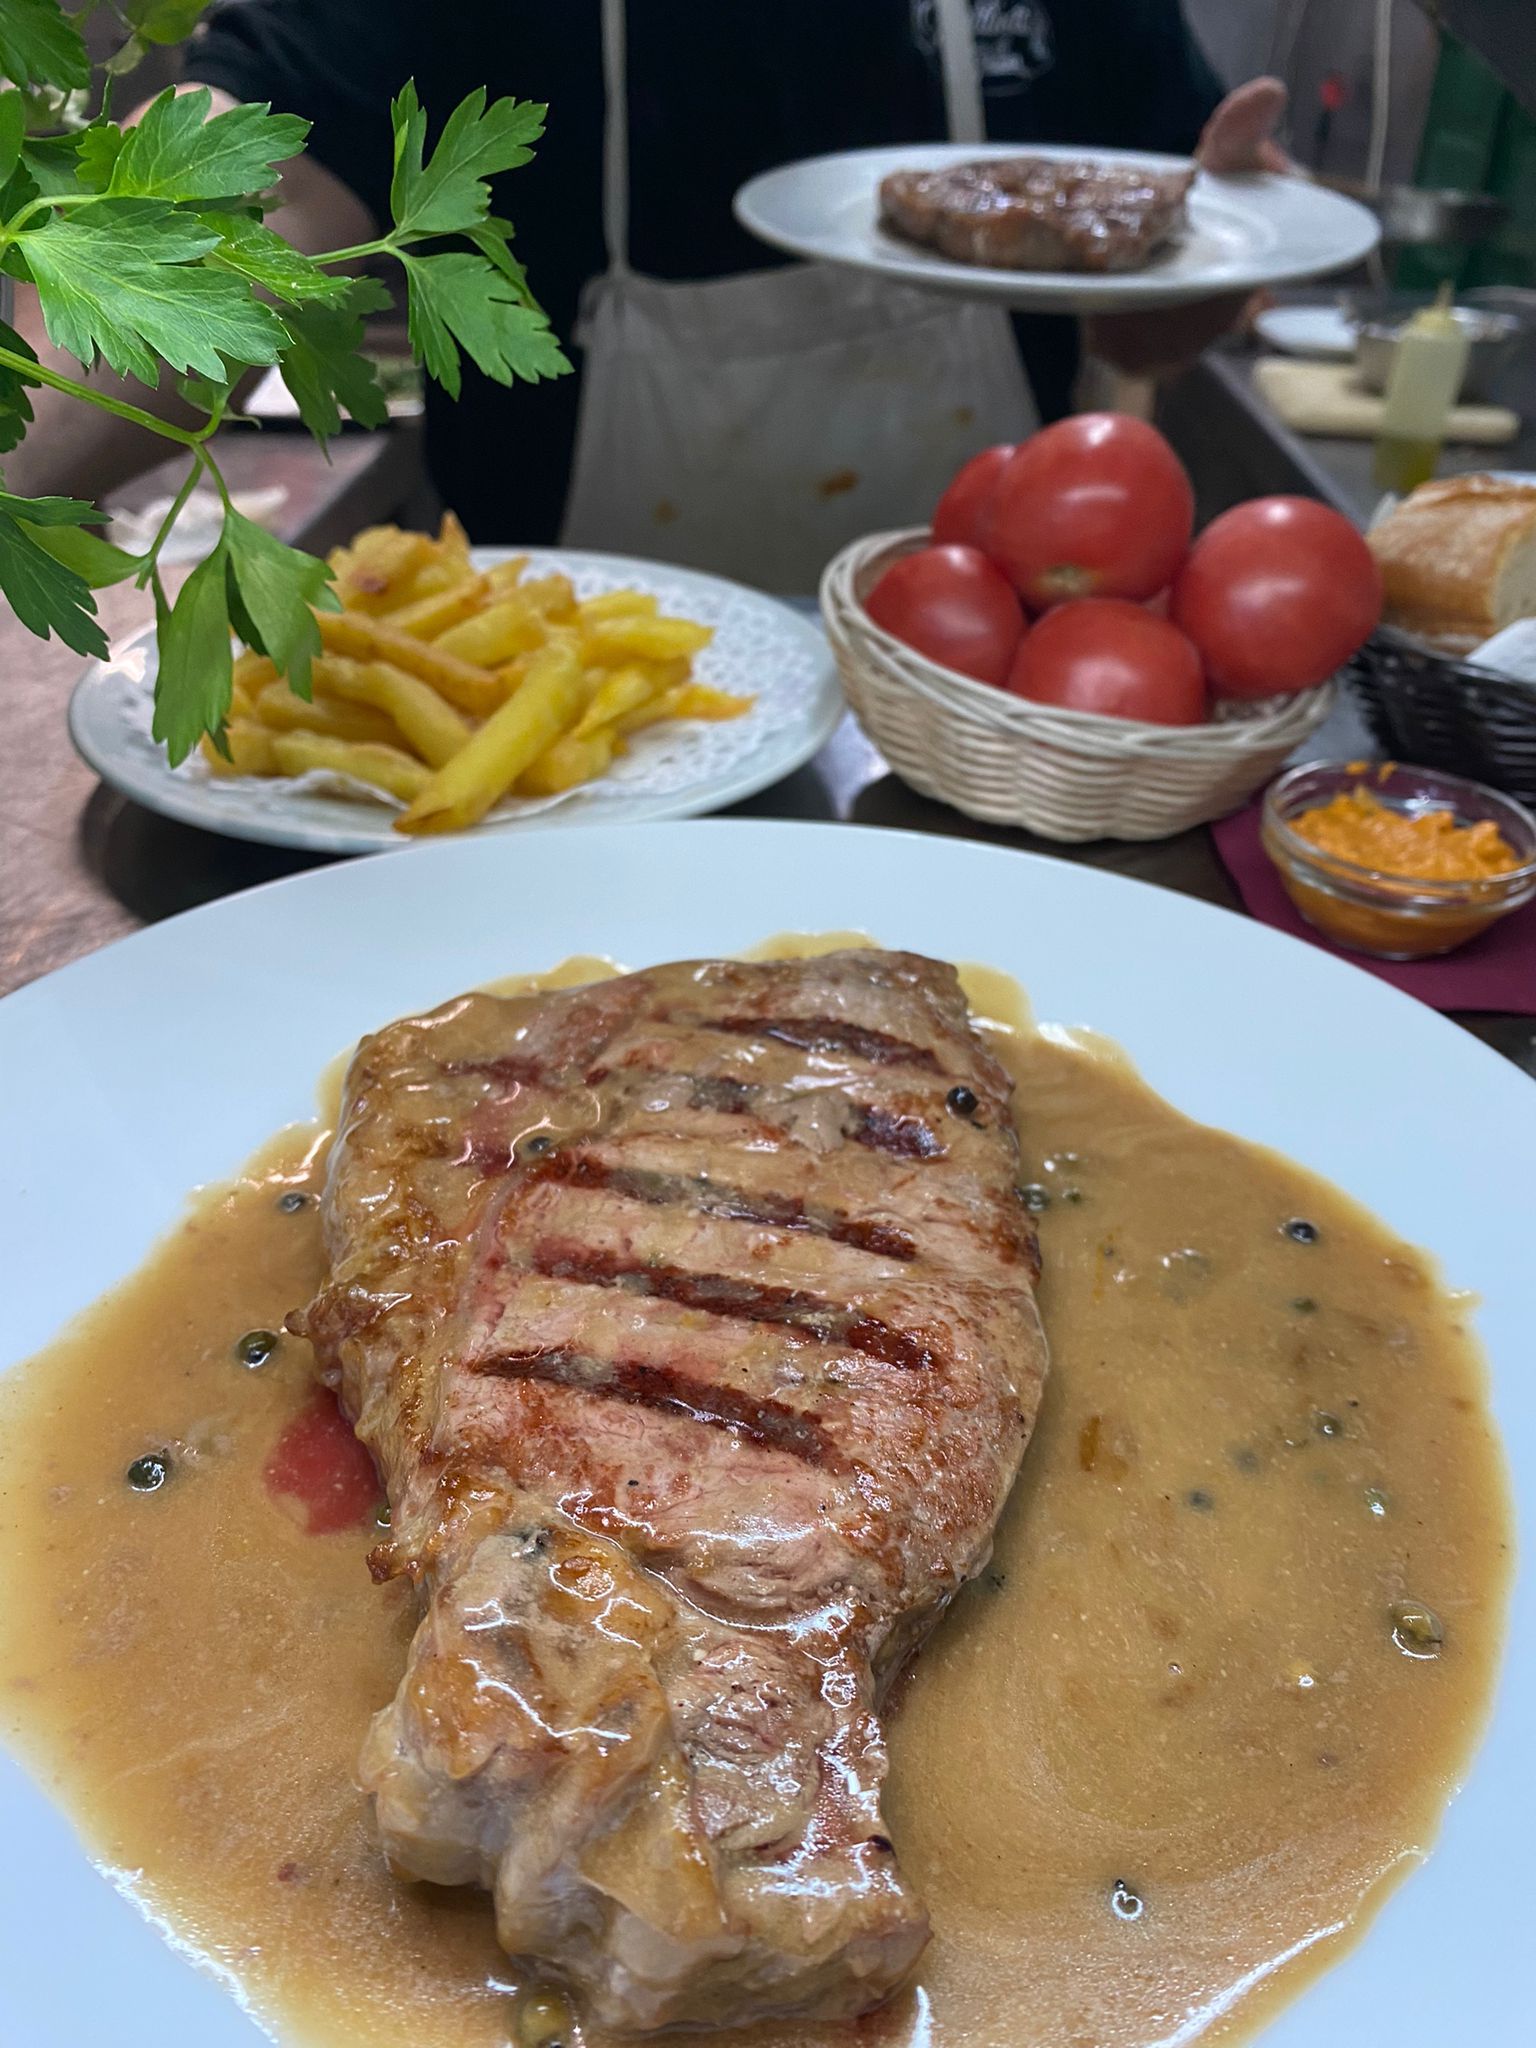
{"points": [[714, 93]]}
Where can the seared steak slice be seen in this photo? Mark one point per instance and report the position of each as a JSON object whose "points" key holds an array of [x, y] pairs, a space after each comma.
{"points": [[1033, 213], [691, 1319]]}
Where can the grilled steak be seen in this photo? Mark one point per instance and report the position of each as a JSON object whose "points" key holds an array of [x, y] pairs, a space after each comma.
{"points": [[691, 1319], [1033, 213]]}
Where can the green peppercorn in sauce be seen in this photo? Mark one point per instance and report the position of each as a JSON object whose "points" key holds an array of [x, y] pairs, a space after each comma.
{"points": [[1228, 1663]]}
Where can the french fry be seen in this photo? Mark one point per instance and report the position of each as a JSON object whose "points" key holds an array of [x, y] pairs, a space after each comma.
{"points": [[475, 690], [666, 675], [504, 577], [379, 561], [621, 691], [281, 711], [387, 768], [250, 750], [425, 617], [431, 726], [572, 759], [452, 540], [552, 596], [252, 670], [627, 639], [510, 741], [685, 700], [617, 604], [699, 700], [493, 636], [437, 574]]}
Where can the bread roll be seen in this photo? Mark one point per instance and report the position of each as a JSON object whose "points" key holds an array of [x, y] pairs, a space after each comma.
{"points": [[1458, 560]]}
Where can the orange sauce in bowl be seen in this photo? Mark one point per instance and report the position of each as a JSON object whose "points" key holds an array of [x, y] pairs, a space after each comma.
{"points": [[1423, 846]]}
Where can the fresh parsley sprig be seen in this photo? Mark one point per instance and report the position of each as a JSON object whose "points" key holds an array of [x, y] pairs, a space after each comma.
{"points": [[149, 252]]}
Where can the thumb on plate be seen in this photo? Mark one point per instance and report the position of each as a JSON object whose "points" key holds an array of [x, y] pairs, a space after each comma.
{"points": [[1239, 136]]}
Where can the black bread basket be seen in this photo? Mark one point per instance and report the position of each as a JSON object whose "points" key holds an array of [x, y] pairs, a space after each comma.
{"points": [[1437, 712]]}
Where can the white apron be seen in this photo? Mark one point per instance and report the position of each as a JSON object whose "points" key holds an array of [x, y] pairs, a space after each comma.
{"points": [[752, 425]]}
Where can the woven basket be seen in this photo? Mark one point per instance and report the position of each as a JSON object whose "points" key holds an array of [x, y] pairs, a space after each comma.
{"points": [[1438, 712], [1067, 775]]}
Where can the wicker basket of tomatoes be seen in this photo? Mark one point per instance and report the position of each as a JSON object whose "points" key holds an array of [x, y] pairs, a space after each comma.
{"points": [[1057, 653]]}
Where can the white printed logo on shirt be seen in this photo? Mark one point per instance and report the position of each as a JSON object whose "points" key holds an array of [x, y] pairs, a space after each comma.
{"points": [[1014, 42]]}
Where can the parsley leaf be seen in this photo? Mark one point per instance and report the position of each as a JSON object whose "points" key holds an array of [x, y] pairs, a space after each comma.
{"points": [[50, 163], [49, 511], [45, 595], [460, 299], [13, 130], [321, 366], [258, 253], [449, 195], [272, 588], [97, 150], [15, 405], [116, 278], [491, 238], [96, 561], [39, 45], [176, 152], [162, 21], [196, 672]]}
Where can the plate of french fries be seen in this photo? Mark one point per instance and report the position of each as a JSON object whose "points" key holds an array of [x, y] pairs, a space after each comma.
{"points": [[463, 689]]}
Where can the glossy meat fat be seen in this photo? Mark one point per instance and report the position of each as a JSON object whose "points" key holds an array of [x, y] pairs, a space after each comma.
{"points": [[691, 1318], [1038, 213]]}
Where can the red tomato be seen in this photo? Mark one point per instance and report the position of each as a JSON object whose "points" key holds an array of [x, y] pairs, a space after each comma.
{"points": [[1095, 506], [952, 605], [1108, 655], [960, 513], [1276, 594], [319, 1463]]}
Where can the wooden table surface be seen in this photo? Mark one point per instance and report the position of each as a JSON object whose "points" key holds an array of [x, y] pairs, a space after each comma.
{"points": [[80, 865]]}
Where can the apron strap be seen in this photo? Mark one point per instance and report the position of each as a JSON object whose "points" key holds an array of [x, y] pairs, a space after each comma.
{"points": [[964, 110], [963, 106], [615, 137]]}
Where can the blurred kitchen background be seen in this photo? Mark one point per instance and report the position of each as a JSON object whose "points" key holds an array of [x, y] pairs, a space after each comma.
{"points": [[1444, 89]]}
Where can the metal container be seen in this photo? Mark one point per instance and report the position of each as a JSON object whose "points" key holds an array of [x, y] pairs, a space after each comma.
{"points": [[1414, 217], [1492, 337]]}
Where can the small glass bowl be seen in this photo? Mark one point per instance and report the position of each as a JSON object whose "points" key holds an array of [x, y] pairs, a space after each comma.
{"points": [[1395, 917]]}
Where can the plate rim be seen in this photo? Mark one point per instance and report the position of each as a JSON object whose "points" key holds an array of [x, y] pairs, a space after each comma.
{"points": [[159, 790], [1061, 290]]}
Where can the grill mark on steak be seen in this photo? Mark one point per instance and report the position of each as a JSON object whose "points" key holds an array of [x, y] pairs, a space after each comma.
{"points": [[715, 1198], [831, 1034], [887, 1130], [718, 1294], [772, 1424], [518, 1067], [881, 1130]]}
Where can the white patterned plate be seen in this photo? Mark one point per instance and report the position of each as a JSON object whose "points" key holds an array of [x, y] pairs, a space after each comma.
{"points": [[675, 770]]}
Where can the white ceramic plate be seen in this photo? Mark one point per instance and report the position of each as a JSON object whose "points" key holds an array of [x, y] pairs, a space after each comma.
{"points": [[115, 1100], [674, 770], [1319, 331], [1242, 232]]}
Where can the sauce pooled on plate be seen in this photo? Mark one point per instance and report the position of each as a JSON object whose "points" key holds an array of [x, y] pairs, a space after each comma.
{"points": [[1157, 1766]]}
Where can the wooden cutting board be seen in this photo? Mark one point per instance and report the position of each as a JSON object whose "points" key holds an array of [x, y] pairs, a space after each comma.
{"points": [[1323, 398]]}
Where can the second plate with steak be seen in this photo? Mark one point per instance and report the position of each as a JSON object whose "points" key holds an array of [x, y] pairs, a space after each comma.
{"points": [[1237, 233]]}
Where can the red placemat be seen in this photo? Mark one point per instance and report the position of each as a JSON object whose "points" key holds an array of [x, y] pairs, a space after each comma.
{"points": [[1495, 972]]}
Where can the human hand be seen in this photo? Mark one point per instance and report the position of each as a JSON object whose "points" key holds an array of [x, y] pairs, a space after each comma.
{"points": [[1239, 136]]}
